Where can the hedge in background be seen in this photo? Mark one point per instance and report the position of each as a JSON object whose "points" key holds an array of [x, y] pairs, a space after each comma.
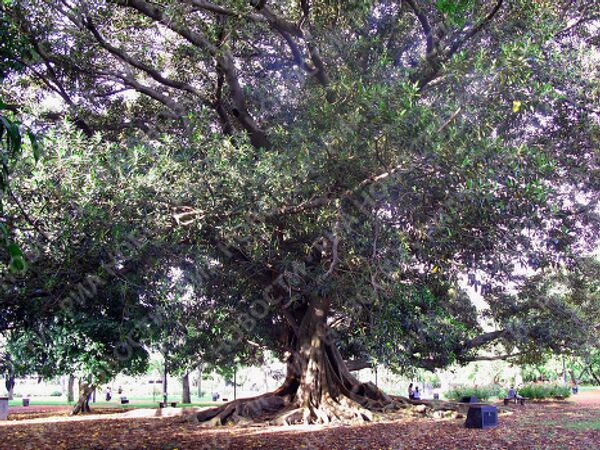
{"points": [[481, 392], [544, 391]]}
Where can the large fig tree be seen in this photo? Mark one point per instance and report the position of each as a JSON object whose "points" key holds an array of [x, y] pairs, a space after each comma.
{"points": [[338, 167]]}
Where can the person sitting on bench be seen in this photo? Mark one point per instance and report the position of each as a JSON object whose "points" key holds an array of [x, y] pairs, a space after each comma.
{"points": [[514, 396], [417, 394], [411, 391]]}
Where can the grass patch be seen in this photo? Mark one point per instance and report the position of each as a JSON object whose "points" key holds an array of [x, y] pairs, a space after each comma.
{"points": [[588, 388], [586, 425], [143, 403], [37, 402], [581, 425]]}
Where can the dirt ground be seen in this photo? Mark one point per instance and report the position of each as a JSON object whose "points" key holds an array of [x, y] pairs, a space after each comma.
{"points": [[572, 424]]}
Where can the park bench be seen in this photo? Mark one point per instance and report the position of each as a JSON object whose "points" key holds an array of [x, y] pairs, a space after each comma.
{"points": [[515, 400], [164, 405]]}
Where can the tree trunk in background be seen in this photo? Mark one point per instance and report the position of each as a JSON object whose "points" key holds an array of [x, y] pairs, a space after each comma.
{"points": [[83, 403], [235, 383], [185, 395], [164, 382], [10, 385], [70, 388], [200, 381], [266, 379], [573, 377]]}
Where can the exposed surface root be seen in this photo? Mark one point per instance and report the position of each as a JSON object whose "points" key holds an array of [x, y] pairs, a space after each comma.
{"points": [[244, 411], [273, 409], [342, 409]]}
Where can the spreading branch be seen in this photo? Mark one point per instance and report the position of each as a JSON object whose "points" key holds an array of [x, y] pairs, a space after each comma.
{"points": [[223, 57], [469, 34], [425, 25]]}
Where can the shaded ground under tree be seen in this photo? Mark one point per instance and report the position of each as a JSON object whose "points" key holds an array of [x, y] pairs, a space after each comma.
{"points": [[574, 424]]}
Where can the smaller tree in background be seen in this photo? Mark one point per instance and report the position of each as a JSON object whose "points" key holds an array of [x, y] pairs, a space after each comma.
{"points": [[96, 343], [187, 325]]}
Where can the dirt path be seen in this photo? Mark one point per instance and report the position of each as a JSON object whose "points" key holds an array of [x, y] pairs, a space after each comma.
{"points": [[571, 425]]}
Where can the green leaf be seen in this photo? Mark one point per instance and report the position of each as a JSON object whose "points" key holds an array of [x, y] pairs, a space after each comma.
{"points": [[35, 146], [18, 265], [14, 251], [13, 137], [3, 233]]}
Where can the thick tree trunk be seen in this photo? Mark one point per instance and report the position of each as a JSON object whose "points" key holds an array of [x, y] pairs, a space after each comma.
{"points": [[83, 403], [318, 387], [185, 394], [70, 388]]}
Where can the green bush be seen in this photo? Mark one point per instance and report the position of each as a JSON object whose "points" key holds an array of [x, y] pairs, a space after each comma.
{"points": [[481, 392], [543, 391], [55, 394]]}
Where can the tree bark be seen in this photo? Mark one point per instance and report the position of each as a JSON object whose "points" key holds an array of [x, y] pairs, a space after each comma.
{"points": [[185, 394], [573, 377], [235, 383], [200, 382], [10, 385], [165, 391], [83, 403], [70, 388]]}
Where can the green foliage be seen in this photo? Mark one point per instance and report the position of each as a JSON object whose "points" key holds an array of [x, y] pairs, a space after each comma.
{"points": [[455, 10], [13, 45], [383, 184], [544, 391], [483, 393], [537, 372], [440, 316], [11, 149]]}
